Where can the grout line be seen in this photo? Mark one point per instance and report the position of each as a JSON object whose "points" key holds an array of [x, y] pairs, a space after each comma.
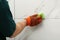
{"points": [[45, 18], [57, 15], [39, 8], [52, 10], [48, 13]]}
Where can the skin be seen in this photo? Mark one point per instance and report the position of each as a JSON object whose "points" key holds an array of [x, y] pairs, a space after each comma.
{"points": [[19, 27]]}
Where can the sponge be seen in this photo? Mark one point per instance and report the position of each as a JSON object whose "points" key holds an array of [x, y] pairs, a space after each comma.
{"points": [[41, 15]]}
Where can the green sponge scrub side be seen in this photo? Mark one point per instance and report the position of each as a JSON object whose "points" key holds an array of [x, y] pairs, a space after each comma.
{"points": [[41, 15]]}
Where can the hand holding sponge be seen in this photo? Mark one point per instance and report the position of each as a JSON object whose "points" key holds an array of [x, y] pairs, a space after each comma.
{"points": [[35, 19]]}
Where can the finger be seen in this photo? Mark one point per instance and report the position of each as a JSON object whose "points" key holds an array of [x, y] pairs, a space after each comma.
{"points": [[35, 15], [40, 20]]}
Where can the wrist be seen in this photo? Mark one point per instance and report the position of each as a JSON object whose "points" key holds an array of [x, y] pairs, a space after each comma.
{"points": [[25, 21], [28, 21]]}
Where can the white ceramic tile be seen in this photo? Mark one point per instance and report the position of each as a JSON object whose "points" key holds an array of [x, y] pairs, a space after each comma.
{"points": [[49, 6], [10, 38], [56, 11], [48, 30], [58, 7], [25, 8]]}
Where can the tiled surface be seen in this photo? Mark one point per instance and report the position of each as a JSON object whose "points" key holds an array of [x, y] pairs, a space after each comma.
{"points": [[49, 29], [24, 8], [10, 38]]}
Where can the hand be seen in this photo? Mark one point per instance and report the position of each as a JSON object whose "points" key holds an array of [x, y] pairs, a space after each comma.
{"points": [[33, 20]]}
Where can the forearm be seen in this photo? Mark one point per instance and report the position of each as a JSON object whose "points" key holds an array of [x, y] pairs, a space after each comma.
{"points": [[30, 21], [19, 27]]}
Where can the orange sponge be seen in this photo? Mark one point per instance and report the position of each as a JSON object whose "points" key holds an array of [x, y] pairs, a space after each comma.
{"points": [[28, 20]]}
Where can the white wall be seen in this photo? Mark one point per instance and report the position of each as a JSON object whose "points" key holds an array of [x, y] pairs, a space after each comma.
{"points": [[49, 29]]}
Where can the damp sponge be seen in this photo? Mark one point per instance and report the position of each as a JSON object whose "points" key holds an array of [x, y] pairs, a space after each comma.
{"points": [[41, 14]]}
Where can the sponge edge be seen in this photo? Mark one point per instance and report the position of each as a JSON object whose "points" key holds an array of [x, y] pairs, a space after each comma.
{"points": [[41, 14]]}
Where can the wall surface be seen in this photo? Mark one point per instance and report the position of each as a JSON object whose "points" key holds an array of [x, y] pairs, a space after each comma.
{"points": [[49, 29]]}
